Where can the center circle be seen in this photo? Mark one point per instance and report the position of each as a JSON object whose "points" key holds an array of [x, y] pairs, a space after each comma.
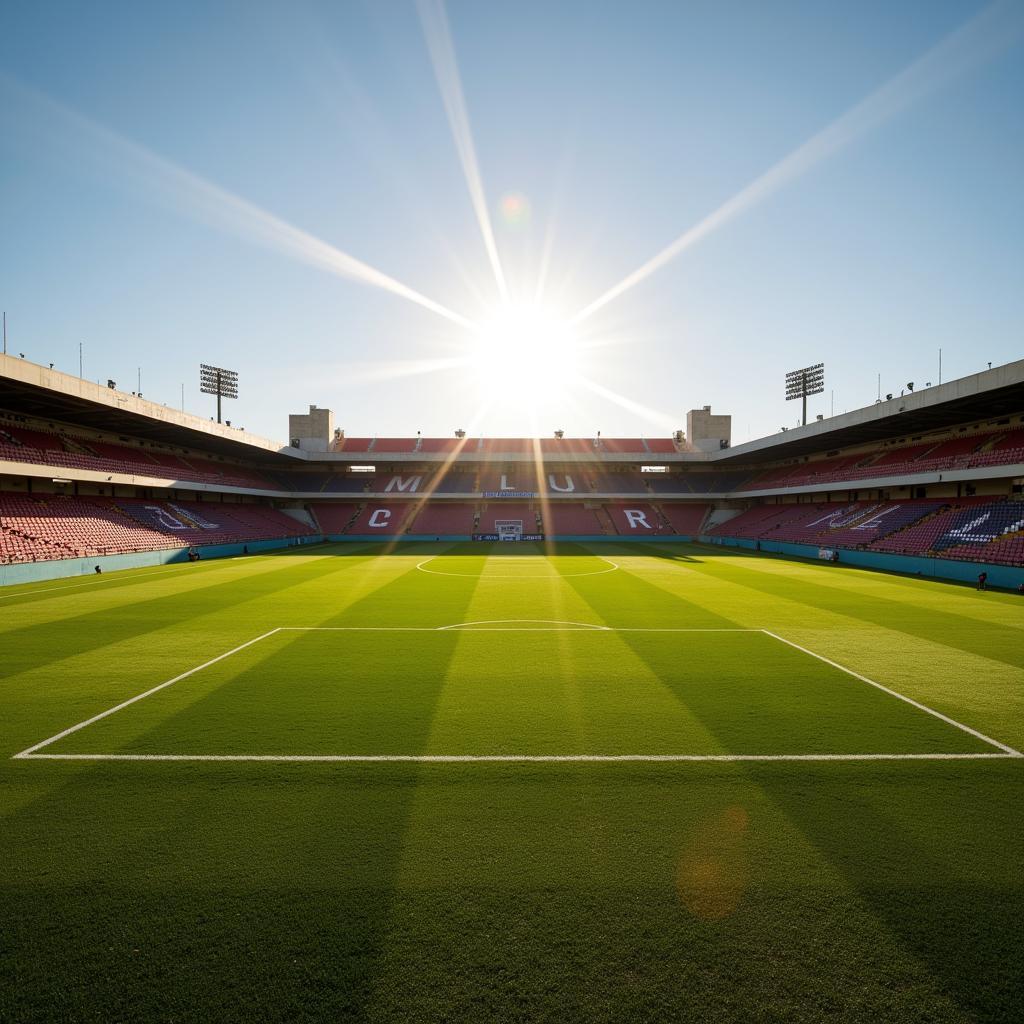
{"points": [[612, 567]]}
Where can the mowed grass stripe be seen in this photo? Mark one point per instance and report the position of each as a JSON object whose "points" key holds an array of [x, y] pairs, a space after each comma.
{"points": [[131, 650], [806, 584], [631, 892], [984, 693], [544, 693]]}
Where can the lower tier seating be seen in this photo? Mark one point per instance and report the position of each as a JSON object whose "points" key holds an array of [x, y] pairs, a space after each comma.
{"points": [[981, 529], [42, 527]]}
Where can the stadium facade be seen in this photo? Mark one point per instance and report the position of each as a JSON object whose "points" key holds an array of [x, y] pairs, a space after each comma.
{"points": [[925, 482]]}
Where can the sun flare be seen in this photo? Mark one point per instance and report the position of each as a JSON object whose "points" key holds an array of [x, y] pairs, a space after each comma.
{"points": [[527, 350]]}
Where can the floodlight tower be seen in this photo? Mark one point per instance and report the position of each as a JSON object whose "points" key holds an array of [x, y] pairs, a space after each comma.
{"points": [[801, 383], [215, 380]]}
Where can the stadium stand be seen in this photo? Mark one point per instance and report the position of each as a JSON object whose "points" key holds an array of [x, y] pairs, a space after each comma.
{"points": [[661, 445], [19, 444], [434, 445], [395, 444], [623, 445], [617, 483], [453, 481], [443, 517], [990, 533], [333, 517], [508, 445], [515, 478], [348, 483], [355, 444], [685, 519], [576, 446], [381, 518], [507, 510], [33, 528], [568, 519], [637, 519]]}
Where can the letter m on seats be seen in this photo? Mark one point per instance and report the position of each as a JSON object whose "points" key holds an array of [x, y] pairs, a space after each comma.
{"points": [[398, 483]]}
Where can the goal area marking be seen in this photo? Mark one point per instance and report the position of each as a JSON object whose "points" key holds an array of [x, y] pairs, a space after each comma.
{"points": [[33, 752]]}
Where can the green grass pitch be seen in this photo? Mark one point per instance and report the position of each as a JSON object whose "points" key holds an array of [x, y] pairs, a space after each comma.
{"points": [[606, 783]]}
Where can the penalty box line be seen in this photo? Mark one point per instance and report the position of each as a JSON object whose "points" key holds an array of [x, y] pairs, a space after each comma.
{"points": [[32, 752]]}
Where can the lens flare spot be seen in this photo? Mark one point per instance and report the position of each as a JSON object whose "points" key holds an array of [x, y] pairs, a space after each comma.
{"points": [[712, 874], [514, 208], [735, 819]]}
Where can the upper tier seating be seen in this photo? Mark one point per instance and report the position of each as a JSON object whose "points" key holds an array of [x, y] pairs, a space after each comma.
{"points": [[508, 445], [444, 444], [554, 446], [452, 481], [348, 483], [623, 445], [395, 444], [661, 445], [965, 452], [616, 483], [515, 478], [66, 451], [355, 444], [302, 482]]}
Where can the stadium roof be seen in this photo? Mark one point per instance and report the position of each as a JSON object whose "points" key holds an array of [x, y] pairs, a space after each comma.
{"points": [[989, 395], [33, 390]]}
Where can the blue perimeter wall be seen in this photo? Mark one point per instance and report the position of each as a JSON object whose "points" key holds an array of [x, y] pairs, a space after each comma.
{"points": [[1006, 576], [36, 572]]}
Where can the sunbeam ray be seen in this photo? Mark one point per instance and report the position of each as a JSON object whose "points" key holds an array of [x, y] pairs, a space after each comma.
{"points": [[399, 369], [32, 115], [995, 29], [446, 70], [638, 409]]}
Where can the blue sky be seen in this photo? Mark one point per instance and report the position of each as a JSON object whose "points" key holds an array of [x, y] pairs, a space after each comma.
{"points": [[129, 133]]}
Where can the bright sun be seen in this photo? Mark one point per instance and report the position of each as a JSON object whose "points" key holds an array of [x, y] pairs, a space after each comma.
{"points": [[525, 350]]}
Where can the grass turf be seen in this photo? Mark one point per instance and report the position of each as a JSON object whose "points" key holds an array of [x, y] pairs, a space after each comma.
{"points": [[685, 891]]}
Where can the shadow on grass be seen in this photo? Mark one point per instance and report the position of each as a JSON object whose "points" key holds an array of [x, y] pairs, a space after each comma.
{"points": [[147, 891], [27, 646], [925, 848]]}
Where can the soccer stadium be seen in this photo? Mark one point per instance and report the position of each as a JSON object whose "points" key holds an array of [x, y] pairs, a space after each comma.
{"points": [[510, 719]]}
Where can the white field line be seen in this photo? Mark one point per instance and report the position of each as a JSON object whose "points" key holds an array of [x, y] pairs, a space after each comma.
{"points": [[517, 758], [576, 627], [614, 566], [899, 696], [30, 751], [573, 626]]}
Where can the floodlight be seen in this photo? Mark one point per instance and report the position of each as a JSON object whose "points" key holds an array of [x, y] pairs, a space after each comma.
{"points": [[215, 380], [808, 381]]}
